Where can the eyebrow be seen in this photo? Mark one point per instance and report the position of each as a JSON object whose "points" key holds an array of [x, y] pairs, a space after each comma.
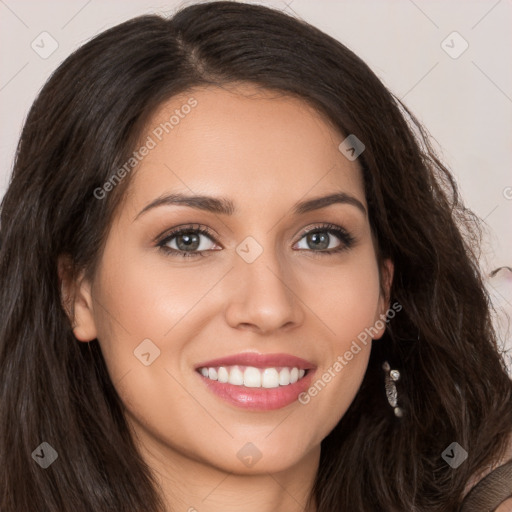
{"points": [[224, 206]]}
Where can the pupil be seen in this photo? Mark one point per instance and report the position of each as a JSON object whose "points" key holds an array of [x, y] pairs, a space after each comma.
{"points": [[191, 241], [321, 238]]}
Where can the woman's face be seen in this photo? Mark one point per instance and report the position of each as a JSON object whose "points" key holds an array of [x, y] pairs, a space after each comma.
{"points": [[254, 293]]}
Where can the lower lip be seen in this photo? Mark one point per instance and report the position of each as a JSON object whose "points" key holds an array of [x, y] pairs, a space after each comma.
{"points": [[259, 399]]}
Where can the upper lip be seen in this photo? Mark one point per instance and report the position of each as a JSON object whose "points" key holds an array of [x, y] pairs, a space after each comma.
{"points": [[259, 361]]}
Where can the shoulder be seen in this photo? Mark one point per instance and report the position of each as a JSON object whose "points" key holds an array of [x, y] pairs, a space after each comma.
{"points": [[501, 475]]}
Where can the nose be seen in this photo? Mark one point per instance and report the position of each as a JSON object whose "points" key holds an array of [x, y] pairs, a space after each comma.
{"points": [[264, 294]]}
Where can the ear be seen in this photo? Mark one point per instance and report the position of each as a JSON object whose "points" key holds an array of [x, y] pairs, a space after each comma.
{"points": [[386, 279], [76, 299]]}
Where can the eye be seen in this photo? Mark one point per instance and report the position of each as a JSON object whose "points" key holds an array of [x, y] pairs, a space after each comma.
{"points": [[187, 241], [321, 238], [195, 240]]}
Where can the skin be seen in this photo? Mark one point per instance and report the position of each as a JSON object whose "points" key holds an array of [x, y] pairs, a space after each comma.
{"points": [[265, 152], [506, 506]]}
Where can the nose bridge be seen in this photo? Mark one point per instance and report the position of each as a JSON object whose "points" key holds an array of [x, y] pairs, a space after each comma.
{"points": [[263, 294]]}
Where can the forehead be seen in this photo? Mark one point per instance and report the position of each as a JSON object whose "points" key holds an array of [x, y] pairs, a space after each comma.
{"points": [[262, 148]]}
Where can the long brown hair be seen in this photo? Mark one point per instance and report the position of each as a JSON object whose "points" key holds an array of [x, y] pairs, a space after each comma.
{"points": [[83, 127]]}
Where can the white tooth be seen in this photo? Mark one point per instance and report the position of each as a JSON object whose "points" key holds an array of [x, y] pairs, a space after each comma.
{"points": [[252, 377], [270, 378], [236, 377], [284, 377], [222, 374]]}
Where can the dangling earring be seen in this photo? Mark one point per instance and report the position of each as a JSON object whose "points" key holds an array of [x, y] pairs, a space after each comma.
{"points": [[389, 381]]}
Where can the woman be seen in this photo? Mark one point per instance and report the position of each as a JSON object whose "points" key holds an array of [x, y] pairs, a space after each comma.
{"points": [[233, 279]]}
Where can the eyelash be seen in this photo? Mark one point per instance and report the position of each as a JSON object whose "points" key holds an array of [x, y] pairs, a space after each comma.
{"points": [[345, 238]]}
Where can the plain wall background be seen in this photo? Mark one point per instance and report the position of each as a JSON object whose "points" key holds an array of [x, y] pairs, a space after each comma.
{"points": [[464, 102]]}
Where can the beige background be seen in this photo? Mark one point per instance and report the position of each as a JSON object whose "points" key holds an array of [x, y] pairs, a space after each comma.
{"points": [[465, 102]]}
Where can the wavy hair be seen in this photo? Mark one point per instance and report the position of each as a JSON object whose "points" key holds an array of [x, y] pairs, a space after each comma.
{"points": [[84, 125]]}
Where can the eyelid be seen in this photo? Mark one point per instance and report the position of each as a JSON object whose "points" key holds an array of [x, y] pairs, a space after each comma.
{"points": [[176, 230], [322, 226]]}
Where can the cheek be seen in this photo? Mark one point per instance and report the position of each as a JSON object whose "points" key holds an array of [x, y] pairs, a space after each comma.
{"points": [[347, 302], [150, 298], [347, 298], [153, 300]]}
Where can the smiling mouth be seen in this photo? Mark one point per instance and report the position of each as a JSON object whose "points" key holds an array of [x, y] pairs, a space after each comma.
{"points": [[252, 377]]}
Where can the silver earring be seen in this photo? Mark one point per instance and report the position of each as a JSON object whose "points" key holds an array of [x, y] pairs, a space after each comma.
{"points": [[392, 395]]}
